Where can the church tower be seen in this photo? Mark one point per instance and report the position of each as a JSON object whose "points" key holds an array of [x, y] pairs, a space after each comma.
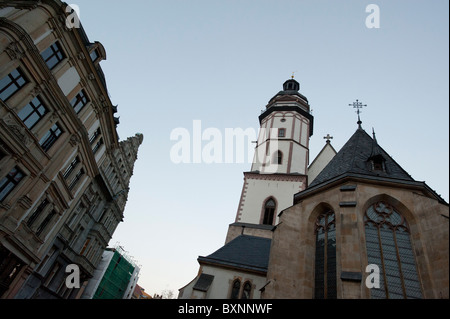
{"points": [[279, 168]]}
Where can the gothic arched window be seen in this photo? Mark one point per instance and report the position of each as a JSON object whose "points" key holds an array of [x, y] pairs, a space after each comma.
{"points": [[325, 265], [389, 247], [269, 212], [247, 290], [235, 289]]}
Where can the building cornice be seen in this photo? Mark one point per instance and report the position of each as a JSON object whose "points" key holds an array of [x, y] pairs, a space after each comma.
{"points": [[275, 177], [227, 265], [289, 108]]}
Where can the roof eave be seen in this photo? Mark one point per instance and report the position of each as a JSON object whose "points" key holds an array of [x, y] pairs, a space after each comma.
{"points": [[370, 179], [229, 265]]}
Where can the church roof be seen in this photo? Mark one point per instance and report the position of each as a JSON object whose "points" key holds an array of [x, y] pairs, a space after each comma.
{"points": [[204, 282], [354, 157], [245, 252]]}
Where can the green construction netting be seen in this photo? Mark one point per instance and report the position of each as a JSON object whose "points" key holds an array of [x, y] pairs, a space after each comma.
{"points": [[116, 279]]}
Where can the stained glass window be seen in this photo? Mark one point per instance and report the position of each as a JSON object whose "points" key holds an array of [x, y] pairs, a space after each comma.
{"points": [[325, 265], [247, 290], [389, 247]]}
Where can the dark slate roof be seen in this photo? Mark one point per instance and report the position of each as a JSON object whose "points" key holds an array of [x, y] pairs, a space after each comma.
{"points": [[245, 252], [290, 87], [204, 282], [354, 158]]}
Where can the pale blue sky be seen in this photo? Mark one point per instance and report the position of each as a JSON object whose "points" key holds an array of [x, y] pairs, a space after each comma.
{"points": [[172, 62]]}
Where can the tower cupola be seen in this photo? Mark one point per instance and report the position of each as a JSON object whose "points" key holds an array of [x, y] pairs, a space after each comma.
{"points": [[291, 85], [289, 100]]}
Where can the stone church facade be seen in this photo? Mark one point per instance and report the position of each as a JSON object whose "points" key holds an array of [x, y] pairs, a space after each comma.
{"points": [[350, 225], [358, 216]]}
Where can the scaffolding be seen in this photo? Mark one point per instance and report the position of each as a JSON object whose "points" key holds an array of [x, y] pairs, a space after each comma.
{"points": [[117, 276]]}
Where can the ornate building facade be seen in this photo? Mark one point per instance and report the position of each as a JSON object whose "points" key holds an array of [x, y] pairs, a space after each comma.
{"points": [[64, 174], [352, 224]]}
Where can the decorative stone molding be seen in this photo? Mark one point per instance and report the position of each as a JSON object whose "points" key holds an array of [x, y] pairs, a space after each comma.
{"points": [[15, 51], [25, 202], [36, 91], [276, 177], [74, 140], [54, 118], [17, 129], [56, 24]]}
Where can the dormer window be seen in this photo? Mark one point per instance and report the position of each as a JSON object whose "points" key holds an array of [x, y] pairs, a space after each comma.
{"points": [[97, 52], [377, 163], [377, 166], [94, 55]]}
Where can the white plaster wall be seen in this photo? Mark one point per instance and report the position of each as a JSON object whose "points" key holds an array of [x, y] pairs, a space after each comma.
{"points": [[258, 192], [304, 135], [299, 159], [299, 156], [271, 159], [319, 163], [220, 287], [224, 277]]}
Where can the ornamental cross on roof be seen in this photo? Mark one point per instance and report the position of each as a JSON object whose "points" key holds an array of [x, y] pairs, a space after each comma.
{"points": [[358, 106], [328, 138]]}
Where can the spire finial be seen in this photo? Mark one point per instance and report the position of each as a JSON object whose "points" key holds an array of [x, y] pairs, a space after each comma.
{"points": [[373, 134], [293, 75], [358, 106]]}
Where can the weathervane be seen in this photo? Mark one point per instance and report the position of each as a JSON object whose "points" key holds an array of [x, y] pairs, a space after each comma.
{"points": [[358, 106]]}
